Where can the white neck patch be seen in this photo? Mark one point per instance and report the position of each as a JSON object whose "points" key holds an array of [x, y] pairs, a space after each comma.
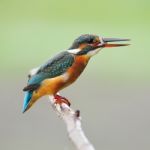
{"points": [[73, 51]]}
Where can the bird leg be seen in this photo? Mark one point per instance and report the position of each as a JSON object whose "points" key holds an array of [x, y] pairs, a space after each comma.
{"points": [[59, 100]]}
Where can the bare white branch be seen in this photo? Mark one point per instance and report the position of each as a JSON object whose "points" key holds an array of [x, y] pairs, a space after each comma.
{"points": [[72, 120]]}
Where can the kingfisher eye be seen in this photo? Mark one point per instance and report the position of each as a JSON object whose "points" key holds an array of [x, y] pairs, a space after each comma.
{"points": [[90, 41]]}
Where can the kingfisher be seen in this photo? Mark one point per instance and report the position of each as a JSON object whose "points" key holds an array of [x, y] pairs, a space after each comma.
{"points": [[64, 68]]}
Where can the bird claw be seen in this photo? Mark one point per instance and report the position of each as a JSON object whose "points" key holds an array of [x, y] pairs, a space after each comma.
{"points": [[59, 100]]}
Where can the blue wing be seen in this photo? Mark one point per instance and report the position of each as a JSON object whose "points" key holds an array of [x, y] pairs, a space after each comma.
{"points": [[53, 68]]}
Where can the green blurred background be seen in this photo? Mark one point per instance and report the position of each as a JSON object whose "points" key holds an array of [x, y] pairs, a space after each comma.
{"points": [[112, 93]]}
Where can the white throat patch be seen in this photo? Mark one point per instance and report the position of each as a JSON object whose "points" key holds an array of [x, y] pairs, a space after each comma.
{"points": [[93, 52]]}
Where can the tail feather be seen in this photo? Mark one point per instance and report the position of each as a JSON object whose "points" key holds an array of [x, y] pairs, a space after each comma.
{"points": [[27, 99]]}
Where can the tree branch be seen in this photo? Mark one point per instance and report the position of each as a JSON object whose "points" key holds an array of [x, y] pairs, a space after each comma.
{"points": [[72, 120]]}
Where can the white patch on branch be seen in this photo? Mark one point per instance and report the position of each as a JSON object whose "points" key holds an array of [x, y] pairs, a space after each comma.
{"points": [[72, 120]]}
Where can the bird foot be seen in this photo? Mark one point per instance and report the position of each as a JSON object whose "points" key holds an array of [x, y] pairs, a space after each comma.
{"points": [[59, 100]]}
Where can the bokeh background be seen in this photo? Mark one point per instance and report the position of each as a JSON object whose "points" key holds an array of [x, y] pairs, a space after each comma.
{"points": [[113, 93]]}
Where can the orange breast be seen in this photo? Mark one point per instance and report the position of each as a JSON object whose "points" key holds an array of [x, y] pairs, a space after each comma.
{"points": [[77, 68], [53, 85]]}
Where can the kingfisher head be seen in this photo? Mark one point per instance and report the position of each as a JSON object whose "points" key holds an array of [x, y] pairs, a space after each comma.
{"points": [[89, 44]]}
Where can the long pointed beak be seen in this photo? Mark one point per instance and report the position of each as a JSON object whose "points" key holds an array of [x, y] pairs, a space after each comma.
{"points": [[106, 40]]}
